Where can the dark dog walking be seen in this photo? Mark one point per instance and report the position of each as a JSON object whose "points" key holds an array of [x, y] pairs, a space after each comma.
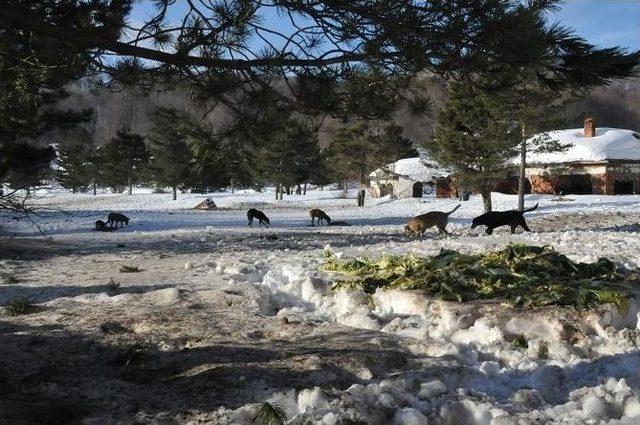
{"points": [[115, 218], [512, 218], [320, 215], [262, 217], [417, 225]]}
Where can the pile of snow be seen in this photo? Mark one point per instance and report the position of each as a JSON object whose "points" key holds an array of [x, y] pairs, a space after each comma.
{"points": [[576, 365], [608, 144]]}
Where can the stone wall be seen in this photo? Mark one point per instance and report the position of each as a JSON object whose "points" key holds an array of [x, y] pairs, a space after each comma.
{"points": [[444, 188]]}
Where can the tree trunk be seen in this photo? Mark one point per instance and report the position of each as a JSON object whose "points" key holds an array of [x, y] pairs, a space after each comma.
{"points": [[175, 193], [345, 190], [463, 193], [277, 191], [94, 188], [362, 190], [130, 186], [522, 171], [298, 190], [304, 191], [485, 191], [232, 187]]}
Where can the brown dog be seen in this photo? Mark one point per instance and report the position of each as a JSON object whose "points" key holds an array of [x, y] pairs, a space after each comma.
{"points": [[320, 215], [417, 225]]}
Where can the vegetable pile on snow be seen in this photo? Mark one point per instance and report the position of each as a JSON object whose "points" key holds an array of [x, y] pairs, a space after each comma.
{"points": [[528, 276]]}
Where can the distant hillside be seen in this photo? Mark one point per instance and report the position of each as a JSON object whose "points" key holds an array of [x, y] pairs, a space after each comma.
{"points": [[617, 105]]}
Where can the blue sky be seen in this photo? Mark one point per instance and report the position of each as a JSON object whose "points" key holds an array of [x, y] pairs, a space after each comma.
{"points": [[605, 23]]}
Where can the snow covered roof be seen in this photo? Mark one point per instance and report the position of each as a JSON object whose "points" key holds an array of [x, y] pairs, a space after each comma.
{"points": [[416, 169], [608, 144]]}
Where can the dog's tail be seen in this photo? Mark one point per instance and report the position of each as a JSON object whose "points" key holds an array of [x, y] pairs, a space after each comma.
{"points": [[531, 209], [454, 210]]}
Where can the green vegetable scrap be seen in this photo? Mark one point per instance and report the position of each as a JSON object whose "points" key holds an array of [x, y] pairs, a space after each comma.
{"points": [[527, 276]]}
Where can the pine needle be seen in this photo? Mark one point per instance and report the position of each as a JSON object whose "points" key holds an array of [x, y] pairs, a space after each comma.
{"points": [[270, 414], [526, 276]]}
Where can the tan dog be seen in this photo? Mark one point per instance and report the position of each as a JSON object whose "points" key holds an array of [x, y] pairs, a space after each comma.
{"points": [[320, 215], [417, 225]]}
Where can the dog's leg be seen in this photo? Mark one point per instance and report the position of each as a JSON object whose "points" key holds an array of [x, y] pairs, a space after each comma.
{"points": [[513, 229], [489, 230], [523, 224]]}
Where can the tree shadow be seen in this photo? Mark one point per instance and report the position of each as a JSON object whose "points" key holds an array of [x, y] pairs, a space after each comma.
{"points": [[52, 377], [43, 294]]}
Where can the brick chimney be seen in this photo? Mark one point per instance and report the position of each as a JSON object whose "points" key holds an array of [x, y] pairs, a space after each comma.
{"points": [[589, 127]]}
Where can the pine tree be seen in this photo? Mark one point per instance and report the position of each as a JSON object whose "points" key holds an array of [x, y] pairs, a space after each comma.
{"points": [[22, 167], [171, 157], [207, 167], [126, 158], [286, 153], [34, 71], [73, 172], [320, 171], [80, 161], [361, 146], [473, 139], [96, 165], [535, 108]]}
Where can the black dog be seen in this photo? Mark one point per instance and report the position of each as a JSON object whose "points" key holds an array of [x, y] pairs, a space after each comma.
{"points": [[512, 218], [101, 226], [262, 218]]}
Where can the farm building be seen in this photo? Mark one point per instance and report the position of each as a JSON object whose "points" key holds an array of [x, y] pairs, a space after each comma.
{"points": [[599, 161], [409, 177]]}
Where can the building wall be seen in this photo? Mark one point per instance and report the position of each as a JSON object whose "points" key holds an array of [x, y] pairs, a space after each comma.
{"points": [[603, 177], [402, 187]]}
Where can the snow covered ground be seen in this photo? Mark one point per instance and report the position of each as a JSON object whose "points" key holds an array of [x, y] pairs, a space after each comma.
{"points": [[222, 317]]}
